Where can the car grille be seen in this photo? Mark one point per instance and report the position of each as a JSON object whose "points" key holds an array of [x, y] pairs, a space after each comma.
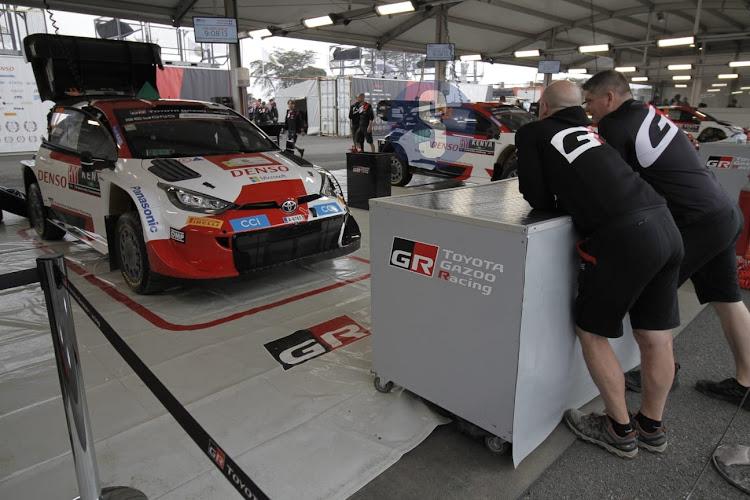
{"points": [[172, 170], [258, 249], [263, 205]]}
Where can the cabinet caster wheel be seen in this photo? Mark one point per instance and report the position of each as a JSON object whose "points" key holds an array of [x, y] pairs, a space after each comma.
{"points": [[383, 387], [496, 445]]}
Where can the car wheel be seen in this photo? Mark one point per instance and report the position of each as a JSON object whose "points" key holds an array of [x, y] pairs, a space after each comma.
{"points": [[131, 250], [400, 175], [39, 215], [510, 167]]}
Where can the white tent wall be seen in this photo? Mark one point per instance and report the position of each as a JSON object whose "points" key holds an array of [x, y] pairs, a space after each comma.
{"points": [[308, 90]]}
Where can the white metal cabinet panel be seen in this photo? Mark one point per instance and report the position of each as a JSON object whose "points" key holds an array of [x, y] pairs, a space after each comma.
{"points": [[507, 361], [730, 163]]}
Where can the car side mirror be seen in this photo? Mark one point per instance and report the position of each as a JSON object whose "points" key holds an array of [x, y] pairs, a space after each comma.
{"points": [[89, 164]]}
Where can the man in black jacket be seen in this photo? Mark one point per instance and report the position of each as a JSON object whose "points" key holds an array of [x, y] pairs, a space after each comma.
{"points": [[630, 256], [709, 221], [294, 124]]}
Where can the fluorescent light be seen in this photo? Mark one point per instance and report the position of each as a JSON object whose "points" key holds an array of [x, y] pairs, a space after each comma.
{"points": [[718, 84], [315, 22], [739, 64], [744, 88], [727, 76], [394, 8], [593, 48], [626, 69], [680, 86], [639, 79], [471, 57], [527, 53], [577, 71], [713, 90], [681, 77], [671, 42], [259, 33], [737, 92], [678, 67]]}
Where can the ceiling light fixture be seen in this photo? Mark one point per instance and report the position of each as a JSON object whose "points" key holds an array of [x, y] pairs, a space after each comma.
{"points": [[316, 22], [626, 69], [261, 33], [471, 57], [680, 86], [527, 53], [577, 71], [583, 49], [681, 77], [718, 84], [671, 42], [739, 64], [394, 8], [737, 92], [728, 76], [713, 90], [679, 67], [639, 79]]}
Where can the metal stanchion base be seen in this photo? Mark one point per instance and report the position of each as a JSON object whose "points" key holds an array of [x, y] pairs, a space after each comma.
{"points": [[120, 493], [733, 463]]}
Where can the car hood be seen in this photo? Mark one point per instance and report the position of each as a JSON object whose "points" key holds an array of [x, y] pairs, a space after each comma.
{"points": [[240, 178]]}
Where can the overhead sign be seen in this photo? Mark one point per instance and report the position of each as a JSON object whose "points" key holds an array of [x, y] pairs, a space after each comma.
{"points": [[550, 67], [215, 30], [440, 52]]}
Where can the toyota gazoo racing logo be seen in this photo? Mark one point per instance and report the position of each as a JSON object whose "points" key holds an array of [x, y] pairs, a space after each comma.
{"points": [[218, 456], [289, 206], [738, 162], [473, 272], [414, 256]]}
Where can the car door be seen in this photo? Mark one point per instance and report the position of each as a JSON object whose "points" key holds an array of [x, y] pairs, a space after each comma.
{"points": [[72, 194]]}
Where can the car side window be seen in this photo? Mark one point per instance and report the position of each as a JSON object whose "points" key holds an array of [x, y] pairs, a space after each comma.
{"points": [[65, 126], [484, 126], [96, 140], [675, 115]]}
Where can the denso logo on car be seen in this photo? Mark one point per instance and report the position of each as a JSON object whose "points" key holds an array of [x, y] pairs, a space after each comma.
{"points": [[250, 223]]}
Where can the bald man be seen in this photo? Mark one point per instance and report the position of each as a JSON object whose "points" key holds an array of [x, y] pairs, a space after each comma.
{"points": [[709, 221], [630, 256]]}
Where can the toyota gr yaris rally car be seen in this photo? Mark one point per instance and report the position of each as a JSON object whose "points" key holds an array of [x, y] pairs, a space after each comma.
{"points": [[704, 127], [469, 141], [168, 187]]}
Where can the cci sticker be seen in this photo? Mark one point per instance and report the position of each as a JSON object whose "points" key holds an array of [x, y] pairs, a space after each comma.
{"points": [[250, 223], [204, 222], [328, 208]]}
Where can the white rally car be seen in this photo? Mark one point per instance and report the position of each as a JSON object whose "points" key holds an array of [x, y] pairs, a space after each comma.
{"points": [[168, 187], [461, 141]]}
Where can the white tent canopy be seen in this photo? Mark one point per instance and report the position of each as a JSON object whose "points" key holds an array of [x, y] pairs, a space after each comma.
{"points": [[308, 90]]}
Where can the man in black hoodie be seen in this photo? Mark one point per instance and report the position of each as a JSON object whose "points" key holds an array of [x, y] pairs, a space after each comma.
{"points": [[709, 221], [630, 257]]}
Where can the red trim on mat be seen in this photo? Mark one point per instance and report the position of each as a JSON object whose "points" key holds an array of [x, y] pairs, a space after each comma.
{"points": [[160, 322]]}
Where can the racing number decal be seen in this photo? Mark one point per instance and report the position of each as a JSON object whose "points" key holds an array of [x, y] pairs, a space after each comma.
{"points": [[654, 135], [574, 141]]}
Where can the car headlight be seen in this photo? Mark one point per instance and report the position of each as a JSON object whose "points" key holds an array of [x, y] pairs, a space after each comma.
{"points": [[191, 201], [326, 185]]}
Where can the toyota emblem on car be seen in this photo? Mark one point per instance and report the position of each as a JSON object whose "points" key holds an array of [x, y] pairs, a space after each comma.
{"points": [[289, 206]]}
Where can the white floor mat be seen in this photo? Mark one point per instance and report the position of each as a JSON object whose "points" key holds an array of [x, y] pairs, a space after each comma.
{"points": [[316, 430]]}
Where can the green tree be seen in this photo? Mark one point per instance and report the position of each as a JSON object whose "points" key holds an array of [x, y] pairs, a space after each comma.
{"points": [[285, 68]]}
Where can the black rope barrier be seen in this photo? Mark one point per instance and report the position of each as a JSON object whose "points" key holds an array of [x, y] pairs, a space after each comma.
{"points": [[228, 467], [19, 278]]}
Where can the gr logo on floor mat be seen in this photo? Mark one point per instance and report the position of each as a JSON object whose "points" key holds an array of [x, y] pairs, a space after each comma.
{"points": [[304, 345]]}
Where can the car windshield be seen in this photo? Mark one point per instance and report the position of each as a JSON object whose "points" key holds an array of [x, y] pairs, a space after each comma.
{"points": [[189, 131], [513, 119]]}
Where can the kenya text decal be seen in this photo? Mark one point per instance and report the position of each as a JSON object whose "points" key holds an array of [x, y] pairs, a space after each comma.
{"points": [[304, 345]]}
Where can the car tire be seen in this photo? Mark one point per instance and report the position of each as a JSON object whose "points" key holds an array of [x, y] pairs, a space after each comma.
{"points": [[400, 175], [510, 166], [133, 256], [39, 215]]}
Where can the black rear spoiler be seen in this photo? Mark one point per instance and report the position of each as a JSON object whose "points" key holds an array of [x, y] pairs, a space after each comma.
{"points": [[69, 66]]}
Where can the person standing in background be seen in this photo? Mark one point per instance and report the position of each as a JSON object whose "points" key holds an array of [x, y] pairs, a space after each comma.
{"points": [[273, 112], [366, 118], [354, 120], [294, 125]]}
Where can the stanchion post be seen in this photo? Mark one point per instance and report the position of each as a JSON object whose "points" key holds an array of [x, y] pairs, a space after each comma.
{"points": [[69, 372]]}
